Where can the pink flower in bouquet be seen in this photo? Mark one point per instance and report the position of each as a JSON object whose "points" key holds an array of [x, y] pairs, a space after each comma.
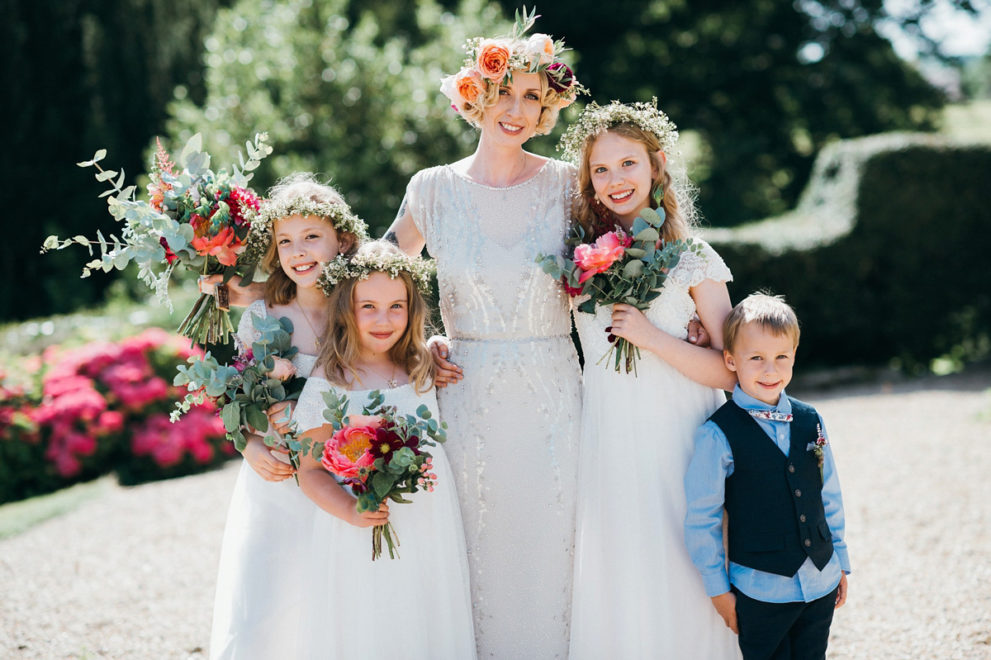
{"points": [[240, 201], [283, 369], [493, 59], [348, 451], [597, 258], [223, 246]]}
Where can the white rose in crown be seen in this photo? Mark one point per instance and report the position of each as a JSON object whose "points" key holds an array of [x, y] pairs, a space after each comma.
{"points": [[539, 50]]}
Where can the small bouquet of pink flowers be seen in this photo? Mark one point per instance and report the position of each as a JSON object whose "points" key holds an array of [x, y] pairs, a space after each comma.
{"points": [[618, 268], [261, 376], [194, 217], [381, 455]]}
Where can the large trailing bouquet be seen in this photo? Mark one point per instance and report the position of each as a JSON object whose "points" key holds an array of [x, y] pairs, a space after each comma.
{"points": [[261, 376], [381, 455], [618, 268], [193, 217]]}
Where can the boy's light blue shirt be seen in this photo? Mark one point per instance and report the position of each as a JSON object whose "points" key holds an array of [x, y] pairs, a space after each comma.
{"points": [[705, 483]]}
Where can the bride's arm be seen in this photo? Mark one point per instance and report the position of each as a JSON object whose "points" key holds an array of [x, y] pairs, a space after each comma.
{"points": [[703, 365], [321, 487], [403, 232]]}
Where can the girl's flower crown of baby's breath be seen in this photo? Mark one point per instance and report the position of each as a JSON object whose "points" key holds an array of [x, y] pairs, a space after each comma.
{"points": [[338, 214], [361, 265], [597, 118]]}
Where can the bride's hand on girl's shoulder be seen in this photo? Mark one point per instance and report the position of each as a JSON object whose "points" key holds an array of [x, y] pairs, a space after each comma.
{"points": [[369, 518], [261, 460], [446, 371]]}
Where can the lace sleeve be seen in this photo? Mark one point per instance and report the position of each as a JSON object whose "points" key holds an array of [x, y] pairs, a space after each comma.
{"points": [[308, 413], [246, 333], [694, 268]]}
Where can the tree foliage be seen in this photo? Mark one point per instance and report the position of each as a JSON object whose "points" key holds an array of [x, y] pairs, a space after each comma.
{"points": [[350, 94], [765, 83], [78, 76]]}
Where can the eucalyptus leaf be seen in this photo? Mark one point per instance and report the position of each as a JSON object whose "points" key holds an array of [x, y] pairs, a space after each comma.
{"points": [[256, 418]]}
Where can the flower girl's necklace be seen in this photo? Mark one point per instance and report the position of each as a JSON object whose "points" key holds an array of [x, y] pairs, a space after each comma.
{"points": [[391, 381], [316, 335]]}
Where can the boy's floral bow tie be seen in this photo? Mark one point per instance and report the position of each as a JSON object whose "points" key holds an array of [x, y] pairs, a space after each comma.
{"points": [[770, 415]]}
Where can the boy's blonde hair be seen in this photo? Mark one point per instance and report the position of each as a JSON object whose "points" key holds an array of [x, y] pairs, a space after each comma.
{"points": [[770, 312], [341, 343]]}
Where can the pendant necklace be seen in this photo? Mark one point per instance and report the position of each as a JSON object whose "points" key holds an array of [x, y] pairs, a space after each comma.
{"points": [[316, 335], [392, 382]]}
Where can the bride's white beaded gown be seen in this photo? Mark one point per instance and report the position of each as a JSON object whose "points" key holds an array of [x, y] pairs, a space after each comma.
{"points": [[637, 593], [258, 604], [514, 418], [416, 607]]}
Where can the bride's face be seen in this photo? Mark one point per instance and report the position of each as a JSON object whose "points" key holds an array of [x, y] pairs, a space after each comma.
{"points": [[514, 117]]}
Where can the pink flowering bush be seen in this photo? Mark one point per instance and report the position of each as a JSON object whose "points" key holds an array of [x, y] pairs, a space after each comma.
{"points": [[99, 408]]}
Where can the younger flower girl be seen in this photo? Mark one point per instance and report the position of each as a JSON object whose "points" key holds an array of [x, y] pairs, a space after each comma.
{"points": [[416, 606]]}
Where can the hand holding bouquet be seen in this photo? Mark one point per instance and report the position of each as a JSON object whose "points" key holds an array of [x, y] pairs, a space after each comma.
{"points": [[618, 268], [380, 455], [261, 376], [194, 217]]}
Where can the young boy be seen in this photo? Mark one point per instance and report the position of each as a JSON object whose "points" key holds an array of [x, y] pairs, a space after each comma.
{"points": [[764, 456]]}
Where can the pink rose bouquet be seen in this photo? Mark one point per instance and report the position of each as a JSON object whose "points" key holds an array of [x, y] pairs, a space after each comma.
{"points": [[381, 455], [618, 268], [193, 217]]}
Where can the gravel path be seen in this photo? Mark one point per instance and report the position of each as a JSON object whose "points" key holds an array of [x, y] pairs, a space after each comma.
{"points": [[130, 574]]}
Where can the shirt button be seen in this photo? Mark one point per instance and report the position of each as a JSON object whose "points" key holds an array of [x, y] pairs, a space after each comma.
{"points": [[808, 543], [791, 468], [798, 492], [801, 518]]}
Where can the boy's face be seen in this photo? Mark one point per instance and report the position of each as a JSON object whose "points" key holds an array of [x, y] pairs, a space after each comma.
{"points": [[762, 361]]}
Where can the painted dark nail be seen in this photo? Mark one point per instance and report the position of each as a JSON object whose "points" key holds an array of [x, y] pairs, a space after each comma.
{"points": [[611, 339], [608, 328]]}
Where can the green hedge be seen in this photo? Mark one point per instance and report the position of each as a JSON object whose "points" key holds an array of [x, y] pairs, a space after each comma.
{"points": [[886, 258]]}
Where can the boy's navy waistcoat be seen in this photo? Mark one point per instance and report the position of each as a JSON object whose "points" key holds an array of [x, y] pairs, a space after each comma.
{"points": [[774, 502]]}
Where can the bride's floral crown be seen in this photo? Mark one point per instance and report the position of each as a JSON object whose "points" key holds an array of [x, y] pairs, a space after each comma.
{"points": [[596, 119], [337, 214], [362, 264], [492, 62]]}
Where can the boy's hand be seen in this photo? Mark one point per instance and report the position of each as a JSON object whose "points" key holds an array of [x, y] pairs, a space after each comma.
{"points": [[841, 592], [725, 604]]}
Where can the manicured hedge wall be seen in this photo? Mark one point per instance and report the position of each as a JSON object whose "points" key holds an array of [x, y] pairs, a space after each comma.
{"points": [[887, 258]]}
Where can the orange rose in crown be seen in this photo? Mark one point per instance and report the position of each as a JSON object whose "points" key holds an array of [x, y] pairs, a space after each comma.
{"points": [[493, 59], [469, 84]]}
